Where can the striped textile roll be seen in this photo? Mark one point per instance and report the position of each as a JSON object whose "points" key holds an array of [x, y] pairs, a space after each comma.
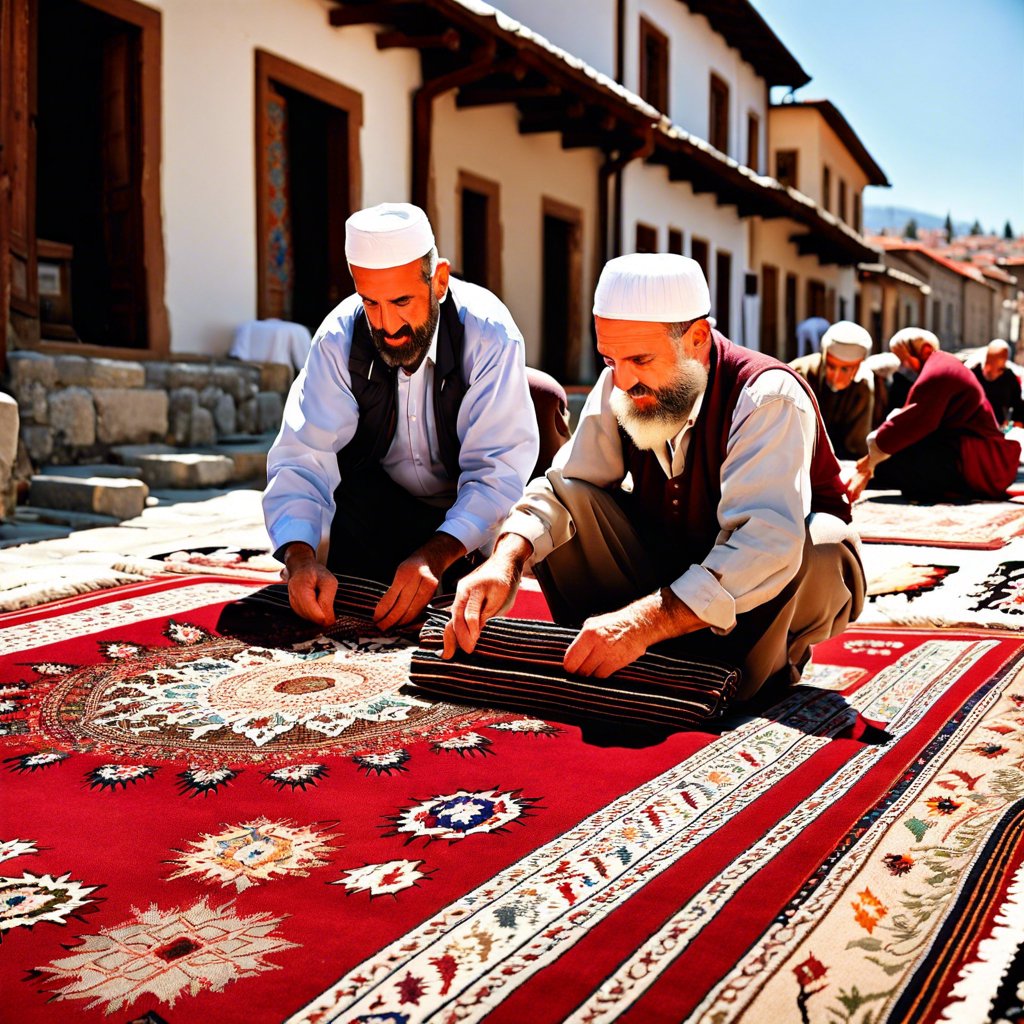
{"points": [[518, 664]]}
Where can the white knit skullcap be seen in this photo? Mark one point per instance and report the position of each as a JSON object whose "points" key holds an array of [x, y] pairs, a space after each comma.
{"points": [[846, 341], [656, 287], [387, 235], [908, 335]]}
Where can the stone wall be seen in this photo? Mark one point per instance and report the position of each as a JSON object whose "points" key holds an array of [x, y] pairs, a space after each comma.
{"points": [[73, 409]]}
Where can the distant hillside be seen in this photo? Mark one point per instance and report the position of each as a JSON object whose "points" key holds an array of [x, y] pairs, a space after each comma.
{"points": [[877, 218]]}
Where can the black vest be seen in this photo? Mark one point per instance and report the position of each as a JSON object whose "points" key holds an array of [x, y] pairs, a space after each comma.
{"points": [[375, 384]]}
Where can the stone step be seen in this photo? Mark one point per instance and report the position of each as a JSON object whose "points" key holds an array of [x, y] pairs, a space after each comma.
{"points": [[110, 496], [97, 469], [64, 517], [188, 470]]}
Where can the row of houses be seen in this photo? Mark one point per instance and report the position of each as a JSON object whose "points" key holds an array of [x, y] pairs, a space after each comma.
{"points": [[171, 170]]}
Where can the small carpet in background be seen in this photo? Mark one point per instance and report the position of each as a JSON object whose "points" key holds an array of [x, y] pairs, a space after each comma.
{"points": [[30, 586], [979, 526]]}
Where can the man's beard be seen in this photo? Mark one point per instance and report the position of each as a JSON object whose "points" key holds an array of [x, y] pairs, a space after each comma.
{"points": [[411, 352], [653, 426]]}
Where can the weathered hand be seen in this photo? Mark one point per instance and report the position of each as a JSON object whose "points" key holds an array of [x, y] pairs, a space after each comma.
{"points": [[311, 586], [607, 643], [858, 479], [416, 581], [484, 593]]}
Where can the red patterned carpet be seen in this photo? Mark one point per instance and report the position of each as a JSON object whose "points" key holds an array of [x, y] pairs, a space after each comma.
{"points": [[211, 814]]}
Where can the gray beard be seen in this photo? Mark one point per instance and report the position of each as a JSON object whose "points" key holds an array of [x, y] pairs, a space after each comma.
{"points": [[650, 429]]}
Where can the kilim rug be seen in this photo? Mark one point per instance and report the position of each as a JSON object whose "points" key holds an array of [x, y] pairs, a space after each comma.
{"points": [[985, 525], [211, 813]]}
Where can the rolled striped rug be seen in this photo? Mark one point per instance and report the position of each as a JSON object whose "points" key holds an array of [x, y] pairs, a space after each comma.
{"points": [[517, 664]]}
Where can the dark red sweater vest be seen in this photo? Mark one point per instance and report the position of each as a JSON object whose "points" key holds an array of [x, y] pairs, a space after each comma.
{"points": [[687, 505]]}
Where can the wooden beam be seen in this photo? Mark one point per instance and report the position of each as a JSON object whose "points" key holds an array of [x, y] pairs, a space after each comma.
{"points": [[485, 96], [447, 40], [380, 12]]}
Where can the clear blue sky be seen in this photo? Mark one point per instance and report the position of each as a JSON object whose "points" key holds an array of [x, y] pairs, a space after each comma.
{"points": [[934, 89]]}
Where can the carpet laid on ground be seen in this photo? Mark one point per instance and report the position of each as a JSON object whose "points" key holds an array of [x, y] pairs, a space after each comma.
{"points": [[984, 525], [213, 812]]}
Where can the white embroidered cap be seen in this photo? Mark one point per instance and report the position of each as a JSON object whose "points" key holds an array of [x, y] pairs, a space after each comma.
{"points": [[387, 235], [656, 287], [846, 341], [909, 335]]}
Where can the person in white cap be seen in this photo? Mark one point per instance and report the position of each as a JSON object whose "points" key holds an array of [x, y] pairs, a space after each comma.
{"points": [[843, 386], [698, 501], [944, 442], [409, 433]]}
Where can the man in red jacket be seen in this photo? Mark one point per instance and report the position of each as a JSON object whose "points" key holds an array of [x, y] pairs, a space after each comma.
{"points": [[698, 502], [944, 442]]}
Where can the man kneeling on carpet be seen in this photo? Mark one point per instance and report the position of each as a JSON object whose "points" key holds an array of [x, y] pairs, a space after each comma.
{"points": [[944, 442], [409, 433], [698, 501]]}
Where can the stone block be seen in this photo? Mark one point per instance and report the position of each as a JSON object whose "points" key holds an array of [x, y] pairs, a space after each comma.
{"points": [[276, 377], [245, 416], [188, 375], [38, 443], [225, 418], [9, 420], [32, 399], [156, 374], [130, 454], [94, 469], [130, 415], [202, 430], [269, 411], [30, 367], [186, 470], [231, 379], [109, 496], [76, 371], [73, 417]]}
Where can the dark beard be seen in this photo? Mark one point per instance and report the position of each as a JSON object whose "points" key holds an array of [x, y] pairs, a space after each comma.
{"points": [[673, 402], [410, 353]]}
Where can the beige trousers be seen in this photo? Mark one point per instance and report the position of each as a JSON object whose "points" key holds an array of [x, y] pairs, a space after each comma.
{"points": [[606, 565]]}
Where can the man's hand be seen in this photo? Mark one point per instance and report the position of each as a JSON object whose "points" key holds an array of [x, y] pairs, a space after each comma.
{"points": [[416, 581], [858, 479], [611, 641], [485, 592], [311, 586]]}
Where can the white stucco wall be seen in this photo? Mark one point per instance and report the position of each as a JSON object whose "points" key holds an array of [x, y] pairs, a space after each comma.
{"points": [[695, 51], [208, 171], [772, 245], [528, 168], [586, 28], [650, 198]]}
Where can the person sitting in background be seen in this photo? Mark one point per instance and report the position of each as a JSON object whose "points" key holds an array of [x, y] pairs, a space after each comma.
{"points": [[809, 333], [843, 386], [944, 442], [1000, 384]]}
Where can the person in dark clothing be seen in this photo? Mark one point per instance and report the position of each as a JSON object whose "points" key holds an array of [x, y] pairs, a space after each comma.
{"points": [[1000, 384], [944, 442]]}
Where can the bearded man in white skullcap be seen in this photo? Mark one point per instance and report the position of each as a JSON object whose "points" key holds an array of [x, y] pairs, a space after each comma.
{"points": [[698, 503], [409, 433], [944, 442], [843, 386]]}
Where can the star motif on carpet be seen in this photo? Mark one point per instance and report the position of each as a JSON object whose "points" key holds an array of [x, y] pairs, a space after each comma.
{"points": [[256, 851], [194, 781], [35, 761], [457, 815], [165, 954], [11, 848], [466, 745], [297, 776], [110, 776], [389, 878], [383, 762], [27, 900]]}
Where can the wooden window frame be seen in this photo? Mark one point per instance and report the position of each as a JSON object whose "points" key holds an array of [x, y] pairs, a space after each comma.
{"points": [[158, 337], [270, 67], [572, 215], [649, 32], [676, 241], [857, 211], [706, 265], [492, 190], [842, 207], [718, 129], [826, 188], [723, 318], [794, 179], [754, 141]]}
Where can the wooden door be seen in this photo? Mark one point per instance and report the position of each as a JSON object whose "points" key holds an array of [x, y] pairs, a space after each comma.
{"points": [[770, 310], [122, 215]]}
